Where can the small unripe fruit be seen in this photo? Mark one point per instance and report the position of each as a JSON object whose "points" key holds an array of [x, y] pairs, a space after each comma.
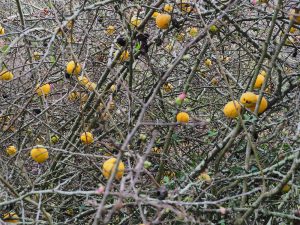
{"points": [[147, 164], [54, 139], [143, 137]]}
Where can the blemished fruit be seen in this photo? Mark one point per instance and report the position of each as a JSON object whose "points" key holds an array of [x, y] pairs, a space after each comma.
{"points": [[110, 30], [10, 217], [111, 105], [184, 5], [73, 96], [83, 97], [155, 14], [70, 24], [6, 75], [180, 37], [295, 15], [193, 31], [168, 87], [248, 99], [124, 56], [262, 106], [208, 63], [73, 68], [39, 154], [91, 86], [108, 166], [11, 150], [213, 29], [259, 81], [2, 31], [83, 80], [182, 117], [135, 21], [43, 90], [37, 56], [87, 138], [214, 81], [168, 8], [163, 21], [232, 109]]}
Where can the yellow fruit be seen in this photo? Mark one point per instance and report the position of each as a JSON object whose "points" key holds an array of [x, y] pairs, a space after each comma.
{"points": [[10, 217], [39, 154], [73, 96], [286, 188], [208, 63], [73, 68], [295, 15], [259, 81], [6, 75], [262, 106], [168, 87], [135, 21], [263, 73], [36, 56], [163, 21], [182, 117], [2, 31], [293, 30], [87, 138], [11, 150], [43, 90], [155, 14], [193, 31], [204, 177], [232, 109], [110, 30], [91, 86], [108, 166], [124, 56], [168, 8], [113, 88], [169, 47], [248, 99]]}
